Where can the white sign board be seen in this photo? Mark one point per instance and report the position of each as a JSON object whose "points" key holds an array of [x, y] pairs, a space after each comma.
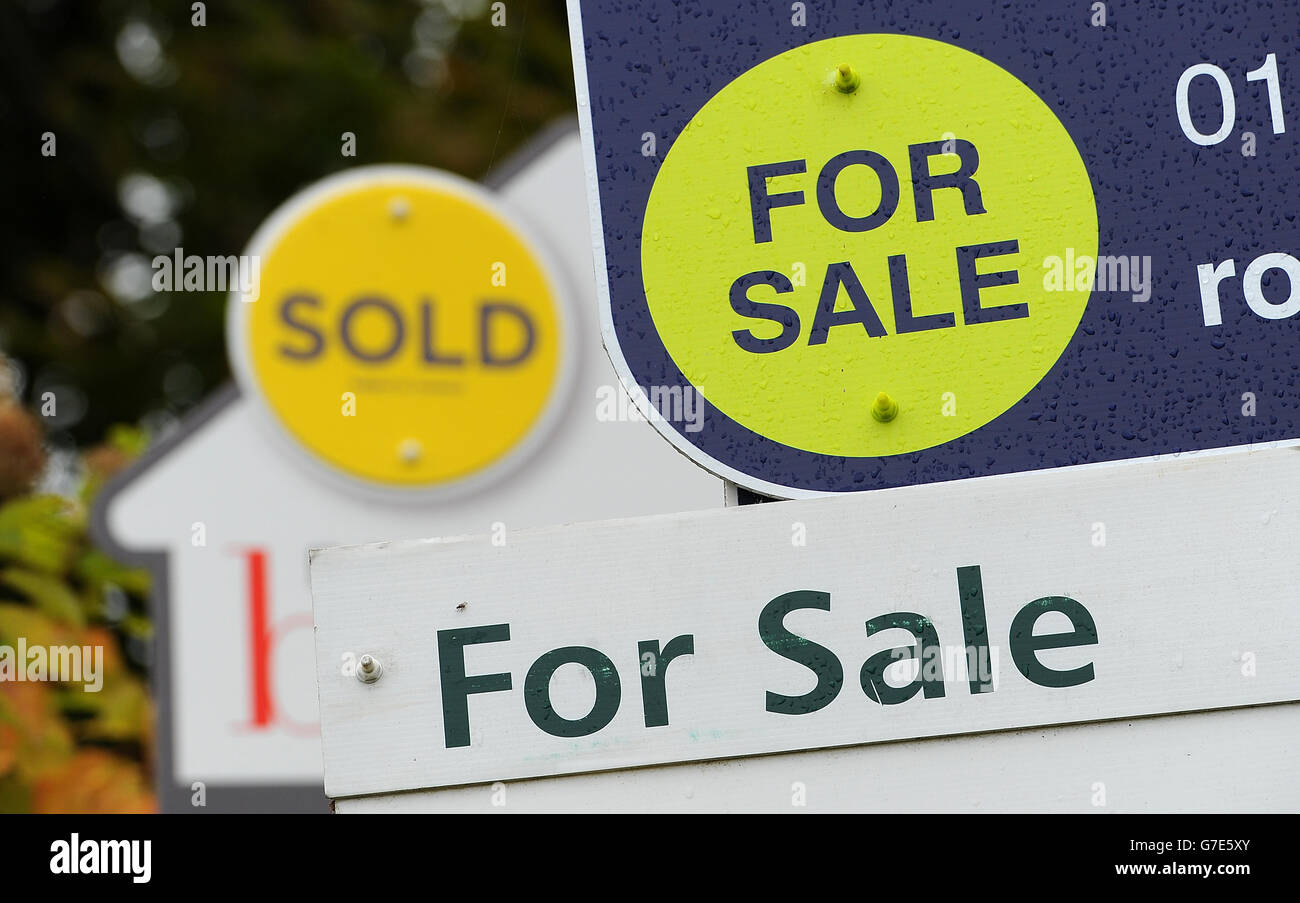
{"points": [[1198, 763], [225, 518], [1095, 593]]}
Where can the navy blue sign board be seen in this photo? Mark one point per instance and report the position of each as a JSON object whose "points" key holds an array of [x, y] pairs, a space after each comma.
{"points": [[884, 292]]}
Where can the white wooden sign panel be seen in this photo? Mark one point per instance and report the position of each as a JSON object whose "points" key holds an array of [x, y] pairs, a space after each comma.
{"points": [[1107, 592], [1198, 763]]}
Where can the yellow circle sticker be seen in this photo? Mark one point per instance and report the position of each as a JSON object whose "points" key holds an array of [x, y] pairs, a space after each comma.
{"points": [[844, 249], [404, 331]]}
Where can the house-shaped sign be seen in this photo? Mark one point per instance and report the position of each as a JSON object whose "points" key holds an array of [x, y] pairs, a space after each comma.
{"points": [[223, 512]]}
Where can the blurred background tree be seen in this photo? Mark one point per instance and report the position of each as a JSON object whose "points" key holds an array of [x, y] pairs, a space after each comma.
{"points": [[170, 133], [133, 128]]}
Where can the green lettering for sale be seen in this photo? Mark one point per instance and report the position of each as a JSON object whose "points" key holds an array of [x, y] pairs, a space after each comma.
{"points": [[537, 691], [653, 659], [974, 624], [654, 670], [457, 686], [873, 669], [816, 658], [1024, 646]]}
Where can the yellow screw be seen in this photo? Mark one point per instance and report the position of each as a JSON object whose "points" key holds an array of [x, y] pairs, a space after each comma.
{"points": [[885, 408], [846, 79]]}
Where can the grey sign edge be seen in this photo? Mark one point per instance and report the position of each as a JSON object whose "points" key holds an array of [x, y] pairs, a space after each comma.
{"points": [[233, 798]]}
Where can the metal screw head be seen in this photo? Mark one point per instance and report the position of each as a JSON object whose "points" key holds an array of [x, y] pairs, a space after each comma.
{"points": [[369, 669], [410, 451]]}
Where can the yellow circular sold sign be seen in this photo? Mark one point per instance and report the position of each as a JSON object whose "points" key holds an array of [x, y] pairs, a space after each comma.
{"points": [[845, 248], [404, 330]]}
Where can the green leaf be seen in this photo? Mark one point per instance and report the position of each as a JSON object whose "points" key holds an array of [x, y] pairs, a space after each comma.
{"points": [[39, 532], [137, 626], [49, 595], [129, 439], [96, 569], [119, 712], [39, 629], [14, 796]]}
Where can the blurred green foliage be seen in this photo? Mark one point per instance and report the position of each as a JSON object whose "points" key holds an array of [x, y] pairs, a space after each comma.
{"points": [[63, 749], [229, 119]]}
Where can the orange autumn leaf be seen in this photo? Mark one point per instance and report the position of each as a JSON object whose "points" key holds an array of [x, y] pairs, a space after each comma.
{"points": [[102, 637], [38, 740], [93, 781]]}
